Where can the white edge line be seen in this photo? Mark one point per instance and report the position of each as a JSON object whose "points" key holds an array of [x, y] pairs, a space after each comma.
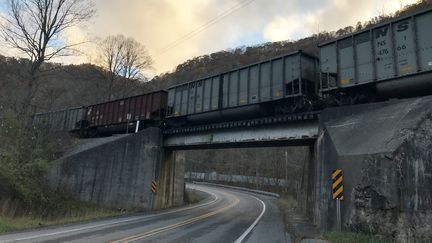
{"points": [[114, 223], [243, 236]]}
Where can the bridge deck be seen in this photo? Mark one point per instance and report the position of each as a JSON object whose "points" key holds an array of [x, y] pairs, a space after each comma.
{"points": [[274, 131]]}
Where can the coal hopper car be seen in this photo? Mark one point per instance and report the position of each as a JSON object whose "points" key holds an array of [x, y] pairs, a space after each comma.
{"points": [[70, 119], [393, 59], [283, 84], [118, 115]]}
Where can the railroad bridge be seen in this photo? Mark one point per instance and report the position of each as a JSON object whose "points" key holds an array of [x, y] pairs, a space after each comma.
{"points": [[364, 141], [289, 130]]}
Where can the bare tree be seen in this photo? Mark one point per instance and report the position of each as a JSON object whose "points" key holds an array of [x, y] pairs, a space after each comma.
{"points": [[35, 28], [111, 58], [125, 57], [135, 59]]}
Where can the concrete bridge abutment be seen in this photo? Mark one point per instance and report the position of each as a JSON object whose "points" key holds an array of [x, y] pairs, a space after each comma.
{"points": [[385, 153], [118, 172]]}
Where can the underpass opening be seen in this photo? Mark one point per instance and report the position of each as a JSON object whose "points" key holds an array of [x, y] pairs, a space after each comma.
{"points": [[286, 170]]}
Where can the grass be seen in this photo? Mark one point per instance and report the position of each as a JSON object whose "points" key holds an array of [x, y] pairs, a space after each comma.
{"points": [[77, 212], [26, 222], [352, 237], [287, 202]]}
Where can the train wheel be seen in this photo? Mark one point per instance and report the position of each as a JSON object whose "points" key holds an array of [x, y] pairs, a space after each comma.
{"points": [[294, 105], [92, 132]]}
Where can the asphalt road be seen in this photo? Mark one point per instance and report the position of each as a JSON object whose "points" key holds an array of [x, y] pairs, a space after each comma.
{"points": [[225, 216]]}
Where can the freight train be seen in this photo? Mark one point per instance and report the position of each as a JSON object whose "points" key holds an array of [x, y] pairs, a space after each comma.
{"points": [[393, 59]]}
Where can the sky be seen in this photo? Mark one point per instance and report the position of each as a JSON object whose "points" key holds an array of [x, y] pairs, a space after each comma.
{"points": [[174, 31]]}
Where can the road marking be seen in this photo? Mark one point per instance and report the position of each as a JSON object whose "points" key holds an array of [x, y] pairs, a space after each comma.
{"points": [[176, 225], [243, 236], [215, 198]]}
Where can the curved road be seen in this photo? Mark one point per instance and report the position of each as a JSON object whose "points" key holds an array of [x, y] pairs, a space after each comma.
{"points": [[225, 216]]}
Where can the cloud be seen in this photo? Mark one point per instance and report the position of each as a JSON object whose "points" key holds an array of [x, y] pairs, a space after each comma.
{"points": [[158, 23], [291, 27], [330, 17]]}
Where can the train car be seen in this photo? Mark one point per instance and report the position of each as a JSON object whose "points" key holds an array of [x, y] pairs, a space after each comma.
{"points": [[390, 59], [118, 115], [70, 119], [283, 84]]}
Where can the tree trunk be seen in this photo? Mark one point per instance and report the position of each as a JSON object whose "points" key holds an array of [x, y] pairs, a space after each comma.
{"points": [[111, 86], [25, 118], [26, 109]]}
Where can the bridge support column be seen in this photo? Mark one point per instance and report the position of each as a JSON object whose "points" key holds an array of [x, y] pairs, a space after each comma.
{"points": [[309, 182], [305, 194], [170, 178]]}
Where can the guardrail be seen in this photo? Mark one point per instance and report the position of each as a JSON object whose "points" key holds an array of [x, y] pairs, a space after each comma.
{"points": [[271, 194]]}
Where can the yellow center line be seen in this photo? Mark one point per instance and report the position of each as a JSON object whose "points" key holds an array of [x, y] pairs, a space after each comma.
{"points": [[176, 225]]}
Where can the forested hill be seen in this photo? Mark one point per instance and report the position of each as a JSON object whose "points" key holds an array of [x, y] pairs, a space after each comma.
{"points": [[62, 86]]}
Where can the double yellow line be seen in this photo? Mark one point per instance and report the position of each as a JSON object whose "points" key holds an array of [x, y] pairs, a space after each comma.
{"points": [[176, 225]]}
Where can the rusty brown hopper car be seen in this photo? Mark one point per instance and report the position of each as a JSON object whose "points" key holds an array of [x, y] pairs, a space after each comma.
{"points": [[113, 115]]}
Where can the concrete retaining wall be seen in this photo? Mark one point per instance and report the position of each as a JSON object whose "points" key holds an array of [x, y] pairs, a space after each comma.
{"points": [[119, 172]]}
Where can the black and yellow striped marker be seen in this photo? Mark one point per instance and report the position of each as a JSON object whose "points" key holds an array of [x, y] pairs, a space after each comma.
{"points": [[337, 185], [154, 186]]}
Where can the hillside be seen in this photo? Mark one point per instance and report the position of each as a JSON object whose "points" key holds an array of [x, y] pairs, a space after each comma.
{"points": [[60, 86]]}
